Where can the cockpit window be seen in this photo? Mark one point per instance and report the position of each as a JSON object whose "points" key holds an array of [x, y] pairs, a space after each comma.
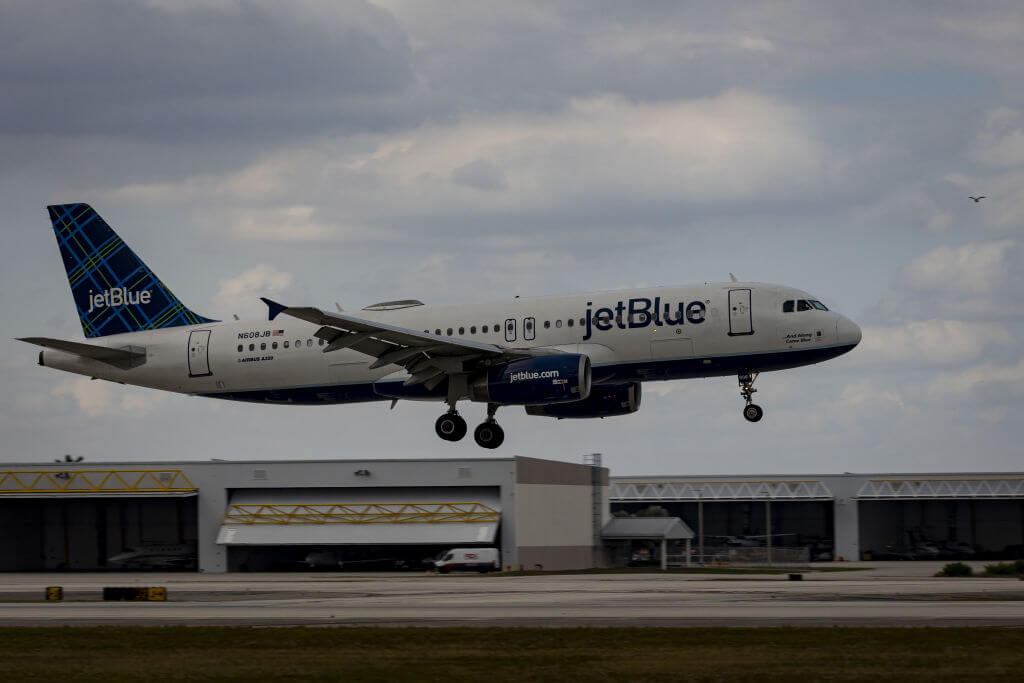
{"points": [[802, 305], [817, 304], [787, 306]]}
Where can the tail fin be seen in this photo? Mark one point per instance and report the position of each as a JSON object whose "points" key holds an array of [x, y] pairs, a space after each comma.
{"points": [[114, 290]]}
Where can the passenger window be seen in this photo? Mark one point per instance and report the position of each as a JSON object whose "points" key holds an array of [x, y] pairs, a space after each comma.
{"points": [[485, 329], [298, 343], [252, 347], [263, 346], [309, 343], [462, 330], [570, 322], [319, 342], [274, 346], [472, 329], [239, 348], [437, 332], [787, 306], [802, 305], [558, 323], [583, 322], [497, 328], [286, 345], [547, 324], [449, 332]]}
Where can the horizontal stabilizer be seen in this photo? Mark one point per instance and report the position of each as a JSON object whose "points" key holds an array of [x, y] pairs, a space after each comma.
{"points": [[125, 358]]}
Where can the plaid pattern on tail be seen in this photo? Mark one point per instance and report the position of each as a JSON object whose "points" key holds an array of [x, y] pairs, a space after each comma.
{"points": [[114, 291]]}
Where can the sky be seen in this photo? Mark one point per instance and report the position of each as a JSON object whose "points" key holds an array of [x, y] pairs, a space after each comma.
{"points": [[322, 151]]}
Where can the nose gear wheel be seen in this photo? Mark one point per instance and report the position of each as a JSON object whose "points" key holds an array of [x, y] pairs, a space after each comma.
{"points": [[752, 412]]}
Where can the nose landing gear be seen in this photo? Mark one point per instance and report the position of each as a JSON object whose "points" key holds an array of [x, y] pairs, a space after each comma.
{"points": [[752, 411]]}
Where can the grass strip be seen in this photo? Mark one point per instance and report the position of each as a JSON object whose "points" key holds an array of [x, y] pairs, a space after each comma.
{"points": [[113, 654]]}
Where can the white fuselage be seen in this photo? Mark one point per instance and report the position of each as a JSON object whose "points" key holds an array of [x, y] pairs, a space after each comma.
{"points": [[673, 333]]}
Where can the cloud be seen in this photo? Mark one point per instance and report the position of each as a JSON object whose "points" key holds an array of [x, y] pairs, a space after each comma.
{"points": [[989, 378], [98, 398], [201, 71], [241, 293], [931, 342]]}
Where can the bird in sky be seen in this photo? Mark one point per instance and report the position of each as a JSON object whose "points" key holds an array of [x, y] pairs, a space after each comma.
{"points": [[978, 198]]}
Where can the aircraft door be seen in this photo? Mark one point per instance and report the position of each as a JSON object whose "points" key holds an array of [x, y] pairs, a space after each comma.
{"points": [[740, 316], [199, 353], [529, 329], [510, 330]]}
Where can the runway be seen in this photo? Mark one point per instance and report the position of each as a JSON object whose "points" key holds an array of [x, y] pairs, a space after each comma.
{"points": [[892, 595]]}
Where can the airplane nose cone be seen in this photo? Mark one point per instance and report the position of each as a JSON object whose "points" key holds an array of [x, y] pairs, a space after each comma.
{"points": [[847, 331]]}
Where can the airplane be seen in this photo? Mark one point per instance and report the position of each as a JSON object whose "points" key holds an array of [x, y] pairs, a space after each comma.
{"points": [[156, 556], [580, 356]]}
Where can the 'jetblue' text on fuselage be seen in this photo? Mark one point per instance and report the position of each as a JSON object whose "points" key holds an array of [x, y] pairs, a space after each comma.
{"points": [[641, 312]]}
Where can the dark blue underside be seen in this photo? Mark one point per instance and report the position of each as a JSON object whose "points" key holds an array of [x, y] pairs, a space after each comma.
{"points": [[684, 368]]}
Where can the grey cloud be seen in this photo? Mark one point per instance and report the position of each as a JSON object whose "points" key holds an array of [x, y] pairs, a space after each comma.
{"points": [[126, 69], [481, 174]]}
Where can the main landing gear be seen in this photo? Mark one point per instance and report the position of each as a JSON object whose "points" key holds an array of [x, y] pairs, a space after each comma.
{"points": [[752, 411], [488, 434]]}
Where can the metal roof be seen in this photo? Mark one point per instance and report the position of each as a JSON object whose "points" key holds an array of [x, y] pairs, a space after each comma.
{"points": [[658, 528]]}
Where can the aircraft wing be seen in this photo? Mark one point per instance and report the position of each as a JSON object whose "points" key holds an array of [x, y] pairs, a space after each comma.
{"points": [[428, 358], [124, 358]]}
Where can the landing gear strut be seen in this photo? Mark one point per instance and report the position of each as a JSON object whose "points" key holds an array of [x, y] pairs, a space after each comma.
{"points": [[752, 411], [488, 433], [450, 426]]}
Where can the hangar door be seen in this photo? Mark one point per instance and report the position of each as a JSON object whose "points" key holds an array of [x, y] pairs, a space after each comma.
{"points": [[447, 516], [92, 519]]}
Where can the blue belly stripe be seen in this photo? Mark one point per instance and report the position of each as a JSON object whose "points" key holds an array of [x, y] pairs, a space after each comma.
{"points": [[611, 373]]}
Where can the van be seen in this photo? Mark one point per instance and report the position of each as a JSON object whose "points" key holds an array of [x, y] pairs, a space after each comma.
{"points": [[468, 560]]}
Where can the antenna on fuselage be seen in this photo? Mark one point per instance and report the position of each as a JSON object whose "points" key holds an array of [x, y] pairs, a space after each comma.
{"points": [[733, 277], [338, 306]]}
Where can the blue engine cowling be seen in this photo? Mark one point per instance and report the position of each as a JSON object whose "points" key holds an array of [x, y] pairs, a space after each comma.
{"points": [[542, 380], [605, 400]]}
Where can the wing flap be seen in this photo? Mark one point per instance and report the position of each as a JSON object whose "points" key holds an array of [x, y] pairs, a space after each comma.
{"points": [[428, 358]]}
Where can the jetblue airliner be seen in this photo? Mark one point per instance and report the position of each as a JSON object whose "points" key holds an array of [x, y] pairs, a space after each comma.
{"points": [[580, 356]]}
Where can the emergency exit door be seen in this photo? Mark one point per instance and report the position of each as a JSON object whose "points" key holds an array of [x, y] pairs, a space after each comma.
{"points": [[740, 316], [199, 353]]}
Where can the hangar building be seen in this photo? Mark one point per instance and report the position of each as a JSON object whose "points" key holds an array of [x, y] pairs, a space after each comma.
{"points": [[235, 516], [218, 516], [844, 516]]}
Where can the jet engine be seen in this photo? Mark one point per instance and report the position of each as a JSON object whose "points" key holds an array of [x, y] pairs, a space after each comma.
{"points": [[605, 400], [542, 380]]}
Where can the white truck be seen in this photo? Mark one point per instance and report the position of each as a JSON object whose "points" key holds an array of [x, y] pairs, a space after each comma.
{"points": [[481, 560]]}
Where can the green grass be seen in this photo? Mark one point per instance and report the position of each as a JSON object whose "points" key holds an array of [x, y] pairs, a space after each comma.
{"points": [[112, 654]]}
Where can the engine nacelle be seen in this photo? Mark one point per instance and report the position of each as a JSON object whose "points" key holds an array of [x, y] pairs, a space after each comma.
{"points": [[542, 380], [605, 400]]}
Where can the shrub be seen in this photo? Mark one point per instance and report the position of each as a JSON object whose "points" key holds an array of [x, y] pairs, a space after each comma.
{"points": [[956, 569], [1015, 568]]}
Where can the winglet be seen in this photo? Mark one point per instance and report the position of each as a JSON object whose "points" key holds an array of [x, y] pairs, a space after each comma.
{"points": [[274, 308]]}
